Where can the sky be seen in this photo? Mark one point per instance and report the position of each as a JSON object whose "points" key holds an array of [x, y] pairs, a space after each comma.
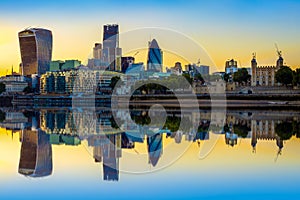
{"points": [[225, 29]]}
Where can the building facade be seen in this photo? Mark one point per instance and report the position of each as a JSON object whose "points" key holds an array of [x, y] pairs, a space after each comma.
{"points": [[231, 66], [36, 50], [80, 80]]}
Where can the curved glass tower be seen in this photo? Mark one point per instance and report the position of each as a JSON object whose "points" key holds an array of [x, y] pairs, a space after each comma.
{"points": [[36, 50], [154, 62]]}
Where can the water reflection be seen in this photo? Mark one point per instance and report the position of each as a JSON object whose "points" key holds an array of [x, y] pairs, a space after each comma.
{"points": [[40, 129]]}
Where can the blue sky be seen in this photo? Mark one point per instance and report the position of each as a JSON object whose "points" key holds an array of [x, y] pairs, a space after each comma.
{"points": [[225, 28]]}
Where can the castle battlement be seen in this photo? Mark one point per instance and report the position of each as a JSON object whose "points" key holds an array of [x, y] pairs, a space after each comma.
{"points": [[266, 67]]}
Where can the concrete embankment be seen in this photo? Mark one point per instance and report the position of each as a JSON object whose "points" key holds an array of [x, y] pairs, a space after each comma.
{"points": [[230, 101]]}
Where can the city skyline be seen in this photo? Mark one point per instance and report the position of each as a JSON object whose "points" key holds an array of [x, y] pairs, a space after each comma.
{"points": [[226, 29]]}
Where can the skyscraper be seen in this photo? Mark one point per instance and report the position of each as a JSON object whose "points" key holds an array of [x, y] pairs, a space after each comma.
{"points": [[36, 50], [111, 53], [154, 62]]}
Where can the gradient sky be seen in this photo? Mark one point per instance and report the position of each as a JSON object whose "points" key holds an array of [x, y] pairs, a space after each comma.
{"points": [[225, 28]]}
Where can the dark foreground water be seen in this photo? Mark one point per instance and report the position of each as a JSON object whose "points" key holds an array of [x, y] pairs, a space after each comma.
{"points": [[104, 154]]}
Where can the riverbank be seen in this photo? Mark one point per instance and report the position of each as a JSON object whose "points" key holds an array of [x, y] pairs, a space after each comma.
{"points": [[203, 101]]}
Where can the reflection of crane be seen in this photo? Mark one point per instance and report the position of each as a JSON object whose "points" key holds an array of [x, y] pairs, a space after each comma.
{"points": [[135, 53], [279, 53], [136, 151], [278, 153]]}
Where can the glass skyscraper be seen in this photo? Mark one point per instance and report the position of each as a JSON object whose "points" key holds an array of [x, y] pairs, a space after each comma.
{"points": [[36, 50], [111, 53], [154, 62]]}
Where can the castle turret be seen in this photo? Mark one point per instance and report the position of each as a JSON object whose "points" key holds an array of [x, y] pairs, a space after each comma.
{"points": [[253, 68], [279, 62]]}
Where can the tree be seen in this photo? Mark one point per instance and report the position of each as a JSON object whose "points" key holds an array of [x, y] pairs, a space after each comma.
{"points": [[241, 130], [2, 88], [226, 77], [284, 130], [296, 77], [188, 78], [2, 116], [114, 81], [198, 77], [28, 89], [284, 75], [241, 76]]}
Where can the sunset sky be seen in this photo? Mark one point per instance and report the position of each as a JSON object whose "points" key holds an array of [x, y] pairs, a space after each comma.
{"points": [[225, 29]]}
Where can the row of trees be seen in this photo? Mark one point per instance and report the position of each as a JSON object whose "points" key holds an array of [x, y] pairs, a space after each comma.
{"points": [[161, 86]]}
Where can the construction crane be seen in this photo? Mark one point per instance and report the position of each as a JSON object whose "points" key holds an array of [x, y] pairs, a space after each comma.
{"points": [[198, 63], [279, 53]]}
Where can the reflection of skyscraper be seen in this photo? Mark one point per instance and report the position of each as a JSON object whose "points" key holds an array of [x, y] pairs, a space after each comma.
{"points": [[36, 50], [111, 52], [154, 62], [36, 154], [154, 148], [107, 148]]}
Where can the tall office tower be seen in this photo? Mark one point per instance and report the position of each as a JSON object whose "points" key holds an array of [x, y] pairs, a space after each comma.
{"points": [[36, 50], [154, 62], [111, 53]]}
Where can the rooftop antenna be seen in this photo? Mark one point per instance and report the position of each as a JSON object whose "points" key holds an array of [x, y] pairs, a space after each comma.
{"points": [[279, 53]]}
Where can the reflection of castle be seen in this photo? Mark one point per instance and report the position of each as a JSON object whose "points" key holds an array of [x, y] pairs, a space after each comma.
{"points": [[36, 154], [264, 130]]}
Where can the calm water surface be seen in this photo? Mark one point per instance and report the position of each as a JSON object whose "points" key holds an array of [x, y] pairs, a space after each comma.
{"points": [[62, 153]]}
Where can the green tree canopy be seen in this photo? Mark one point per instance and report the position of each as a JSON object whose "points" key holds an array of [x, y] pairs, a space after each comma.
{"points": [[188, 78], [114, 81], [28, 89], [226, 77], [284, 75], [2, 116], [241, 130], [198, 77], [296, 77], [241, 76], [284, 130]]}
